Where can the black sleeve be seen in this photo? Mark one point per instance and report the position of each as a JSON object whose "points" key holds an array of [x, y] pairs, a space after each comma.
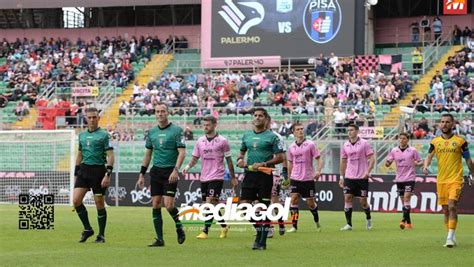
{"points": [[431, 149]]}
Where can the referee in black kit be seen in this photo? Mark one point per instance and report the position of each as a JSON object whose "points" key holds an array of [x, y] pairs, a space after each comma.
{"points": [[166, 149], [264, 150], [91, 173]]}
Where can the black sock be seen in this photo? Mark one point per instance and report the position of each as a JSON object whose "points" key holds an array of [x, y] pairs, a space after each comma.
{"points": [[253, 222], [265, 228], [348, 212], [315, 214], [174, 214], [158, 223], [294, 216], [82, 213], [222, 221], [367, 213], [407, 216], [258, 228], [207, 225], [102, 218], [404, 210], [281, 223]]}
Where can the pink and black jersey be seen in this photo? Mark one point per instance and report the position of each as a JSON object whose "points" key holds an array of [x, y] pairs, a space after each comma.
{"points": [[357, 155], [212, 153], [405, 161], [301, 156]]}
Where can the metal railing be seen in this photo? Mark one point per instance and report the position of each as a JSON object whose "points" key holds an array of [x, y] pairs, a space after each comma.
{"points": [[48, 92], [432, 53], [399, 36], [178, 46], [382, 152], [433, 116], [403, 35], [229, 118], [106, 95], [106, 99], [189, 116]]}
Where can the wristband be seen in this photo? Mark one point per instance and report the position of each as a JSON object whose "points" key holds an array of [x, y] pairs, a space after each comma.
{"points": [[341, 177], [77, 169], [109, 170], [176, 169], [143, 170]]}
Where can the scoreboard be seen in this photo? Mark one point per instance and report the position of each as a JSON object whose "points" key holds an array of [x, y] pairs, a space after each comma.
{"points": [[240, 33]]}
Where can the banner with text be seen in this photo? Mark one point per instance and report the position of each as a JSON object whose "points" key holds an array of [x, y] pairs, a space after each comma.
{"points": [[85, 91], [383, 195], [371, 132]]}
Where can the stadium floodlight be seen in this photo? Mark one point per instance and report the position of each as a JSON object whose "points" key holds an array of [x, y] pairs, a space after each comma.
{"points": [[37, 162]]}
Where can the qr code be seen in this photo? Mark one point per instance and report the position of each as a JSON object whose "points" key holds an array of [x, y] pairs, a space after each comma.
{"points": [[36, 212]]}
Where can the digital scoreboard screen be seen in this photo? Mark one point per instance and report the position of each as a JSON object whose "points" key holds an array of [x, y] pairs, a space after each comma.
{"points": [[283, 28]]}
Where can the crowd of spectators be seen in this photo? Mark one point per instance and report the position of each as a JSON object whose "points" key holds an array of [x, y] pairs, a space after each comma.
{"points": [[452, 88], [125, 133], [333, 83], [121, 134], [30, 67], [333, 88], [424, 129]]}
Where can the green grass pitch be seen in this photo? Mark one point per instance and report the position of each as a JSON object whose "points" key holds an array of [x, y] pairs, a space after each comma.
{"points": [[130, 230]]}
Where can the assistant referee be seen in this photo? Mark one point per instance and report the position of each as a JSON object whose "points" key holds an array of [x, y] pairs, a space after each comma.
{"points": [[91, 173]]}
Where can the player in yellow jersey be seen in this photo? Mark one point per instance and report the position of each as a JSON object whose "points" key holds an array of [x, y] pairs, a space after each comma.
{"points": [[449, 150]]}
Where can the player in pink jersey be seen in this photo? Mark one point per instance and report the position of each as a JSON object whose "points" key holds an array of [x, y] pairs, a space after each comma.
{"points": [[212, 148], [302, 175], [357, 161], [406, 159]]}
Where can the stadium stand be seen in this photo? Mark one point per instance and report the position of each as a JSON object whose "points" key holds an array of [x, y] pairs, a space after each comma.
{"points": [[31, 69], [137, 75]]}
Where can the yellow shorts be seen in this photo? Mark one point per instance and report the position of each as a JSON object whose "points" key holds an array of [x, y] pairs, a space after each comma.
{"points": [[448, 191]]}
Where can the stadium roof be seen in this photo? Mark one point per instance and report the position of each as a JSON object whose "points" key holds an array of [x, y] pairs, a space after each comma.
{"points": [[17, 4]]}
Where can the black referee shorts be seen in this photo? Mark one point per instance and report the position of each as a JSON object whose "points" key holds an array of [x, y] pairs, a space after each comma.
{"points": [[160, 185], [90, 177], [257, 186], [356, 187]]}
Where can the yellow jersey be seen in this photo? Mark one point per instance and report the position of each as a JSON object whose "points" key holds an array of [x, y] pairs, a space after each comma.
{"points": [[449, 153]]}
